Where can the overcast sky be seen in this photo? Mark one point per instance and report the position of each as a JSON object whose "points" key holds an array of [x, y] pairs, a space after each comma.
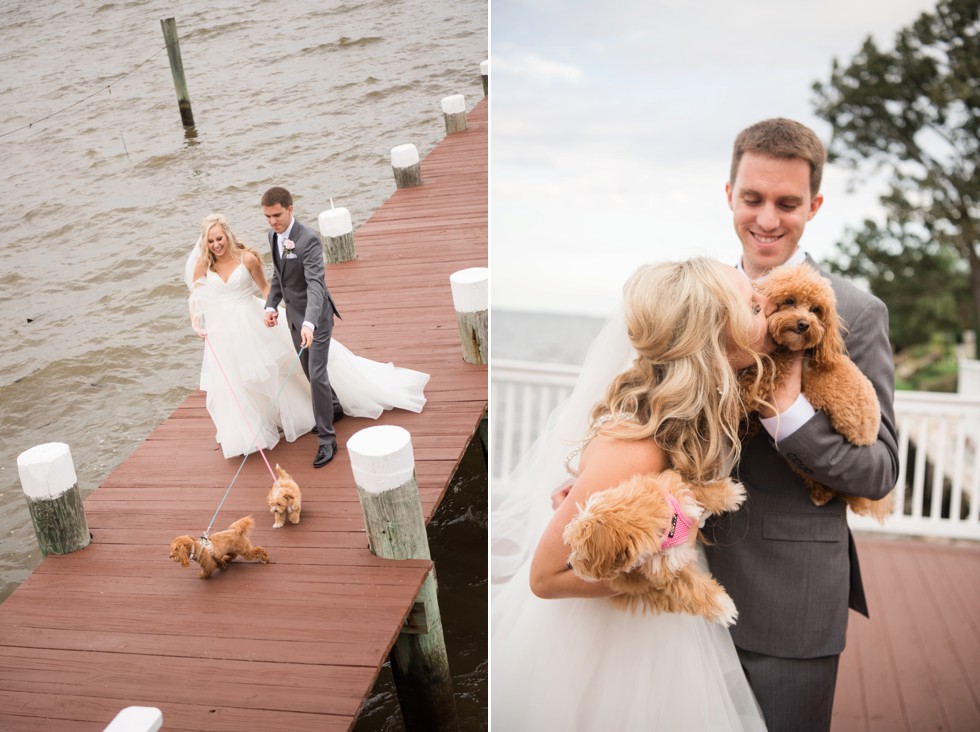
{"points": [[612, 127]]}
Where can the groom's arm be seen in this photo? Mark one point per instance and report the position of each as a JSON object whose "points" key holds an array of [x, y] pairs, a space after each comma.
{"points": [[274, 297], [316, 288]]}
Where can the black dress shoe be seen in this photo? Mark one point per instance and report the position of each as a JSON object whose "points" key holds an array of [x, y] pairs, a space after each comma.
{"points": [[322, 457], [338, 415]]}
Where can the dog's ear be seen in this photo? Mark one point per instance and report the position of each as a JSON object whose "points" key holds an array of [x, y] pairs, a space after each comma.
{"points": [[179, 552], [831, 346]]}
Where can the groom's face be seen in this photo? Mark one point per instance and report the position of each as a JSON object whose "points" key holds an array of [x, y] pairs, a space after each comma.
{"points": [[279, 218]]}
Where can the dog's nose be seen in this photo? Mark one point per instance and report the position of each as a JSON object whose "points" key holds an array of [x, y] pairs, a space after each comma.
{"points": [[802, 326]]}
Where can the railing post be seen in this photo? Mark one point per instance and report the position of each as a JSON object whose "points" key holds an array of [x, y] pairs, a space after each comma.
{"points": [[383, 464]]}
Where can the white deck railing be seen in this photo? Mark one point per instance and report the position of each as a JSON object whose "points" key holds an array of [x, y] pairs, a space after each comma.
{"points": [[938, 489]]}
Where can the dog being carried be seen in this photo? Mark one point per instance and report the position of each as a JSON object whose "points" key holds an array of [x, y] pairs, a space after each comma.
{"points": [[806, 320]]}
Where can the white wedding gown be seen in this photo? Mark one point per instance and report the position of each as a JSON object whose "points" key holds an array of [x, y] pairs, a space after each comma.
{"points": [[583, 664], [255, 359]]}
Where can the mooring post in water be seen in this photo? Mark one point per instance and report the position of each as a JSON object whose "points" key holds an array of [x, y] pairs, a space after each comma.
{"points": [[47, 475], [383, 464], [454, 113], [338, 235], [485, 73], [406, 166], [471, 299], [177, 69]]}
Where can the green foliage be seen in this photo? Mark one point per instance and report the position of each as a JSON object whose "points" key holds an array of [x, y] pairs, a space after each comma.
{"points": [[914, 112]]}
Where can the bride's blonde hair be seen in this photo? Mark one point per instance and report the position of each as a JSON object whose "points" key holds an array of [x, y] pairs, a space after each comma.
{"points": [[684, 320], [234, 242]]}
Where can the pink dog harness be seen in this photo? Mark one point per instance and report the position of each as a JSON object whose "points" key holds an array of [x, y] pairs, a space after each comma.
{"points": [[680, 525]]}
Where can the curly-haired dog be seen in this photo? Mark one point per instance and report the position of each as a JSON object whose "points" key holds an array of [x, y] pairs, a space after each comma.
{"points": [[285, 499], [215, 551], [806, 320], [635, 537]]}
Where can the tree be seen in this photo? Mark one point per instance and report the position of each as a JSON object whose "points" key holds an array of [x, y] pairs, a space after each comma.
{"points": [[914, 112]]}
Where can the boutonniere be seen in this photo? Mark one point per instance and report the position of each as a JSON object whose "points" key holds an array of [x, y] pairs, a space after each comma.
{"points": [[288, 246]]}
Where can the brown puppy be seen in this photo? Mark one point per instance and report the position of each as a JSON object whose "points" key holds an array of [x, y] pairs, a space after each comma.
{"points": [[632, 536], [284, 499], [217, 550], [806, 320]]}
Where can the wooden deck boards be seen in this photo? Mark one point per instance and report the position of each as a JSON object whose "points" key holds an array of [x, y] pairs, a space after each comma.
{"points": [[296, 644], [915, 665]]}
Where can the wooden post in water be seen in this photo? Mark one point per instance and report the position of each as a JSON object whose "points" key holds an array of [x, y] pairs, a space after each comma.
{"points": [[470, 298], [406, 166], [338, 235], [454, 113], [50, 485], [383, 464], [177, 69], [485, 73]]}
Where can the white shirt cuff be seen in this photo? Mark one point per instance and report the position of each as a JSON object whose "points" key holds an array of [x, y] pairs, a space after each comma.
{"points": [[783, 425], [308, 324], [270, 310]]}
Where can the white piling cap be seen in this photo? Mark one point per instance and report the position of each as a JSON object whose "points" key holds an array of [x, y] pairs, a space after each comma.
{"points": [[454, 104], [470, 289], [404, 156], [136, 719], [46, 471], [381, 458], [485, 68], [335, 222]]}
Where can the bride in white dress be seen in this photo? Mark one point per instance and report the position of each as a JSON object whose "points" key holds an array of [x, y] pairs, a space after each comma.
{"points": [[576, 661], [246, 363]]}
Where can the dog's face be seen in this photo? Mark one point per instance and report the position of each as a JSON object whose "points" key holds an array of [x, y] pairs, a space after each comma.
{"points": [[617, 530], [283, 500], [181, 549], [806, 313]]}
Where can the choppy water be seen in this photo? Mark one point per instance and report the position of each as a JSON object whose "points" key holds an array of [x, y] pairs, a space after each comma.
{"points": [[102, 200]]}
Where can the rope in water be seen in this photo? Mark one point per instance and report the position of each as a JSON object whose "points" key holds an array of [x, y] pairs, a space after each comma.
{"points": [[299, 353]]}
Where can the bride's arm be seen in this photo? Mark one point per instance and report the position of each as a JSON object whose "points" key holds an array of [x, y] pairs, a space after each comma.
{"points": [[254, 266], [605, 462]]}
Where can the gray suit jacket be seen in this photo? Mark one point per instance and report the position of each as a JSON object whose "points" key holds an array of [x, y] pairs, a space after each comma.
{"points": [[299, 281], [791, 567]]}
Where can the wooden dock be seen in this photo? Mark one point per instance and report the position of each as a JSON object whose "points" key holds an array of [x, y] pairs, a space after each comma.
{"points": [[915, 665], [296, 644]]}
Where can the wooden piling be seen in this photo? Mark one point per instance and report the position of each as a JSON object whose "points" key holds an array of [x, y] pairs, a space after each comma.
{"points": [[338, 235], [383, 464], [406, 166], [47, 475], [136, 719], [485, 73], [454, 113], [169, 26], [470, 298]]}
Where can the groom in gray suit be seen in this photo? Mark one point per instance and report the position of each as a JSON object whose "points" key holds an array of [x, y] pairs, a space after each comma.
{"points": [[791, 567], [298, 281]]}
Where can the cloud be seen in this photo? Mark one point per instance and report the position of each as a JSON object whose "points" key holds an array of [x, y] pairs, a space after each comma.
{"points": [[534, 69]]}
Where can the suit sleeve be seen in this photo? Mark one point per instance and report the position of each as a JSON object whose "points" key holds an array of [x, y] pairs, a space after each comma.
{"points": [[275, 288], [316, 288], [869, 471]]}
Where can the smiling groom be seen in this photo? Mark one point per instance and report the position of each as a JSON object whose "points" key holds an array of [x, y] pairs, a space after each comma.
{"points": [[298, 281]]}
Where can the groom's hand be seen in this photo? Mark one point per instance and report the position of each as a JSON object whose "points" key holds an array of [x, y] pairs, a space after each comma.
{"points": [[271, 318], [306, 337]]}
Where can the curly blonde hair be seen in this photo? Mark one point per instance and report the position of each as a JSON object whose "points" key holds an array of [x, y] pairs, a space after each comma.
{"points": [[684, 320], [234, 242]]}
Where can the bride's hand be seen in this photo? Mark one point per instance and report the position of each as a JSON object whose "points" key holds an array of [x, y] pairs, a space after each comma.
{"points": [[561, 493]]}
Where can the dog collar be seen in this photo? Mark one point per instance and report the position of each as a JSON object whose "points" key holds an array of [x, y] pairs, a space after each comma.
{"points": [[680, 525]]}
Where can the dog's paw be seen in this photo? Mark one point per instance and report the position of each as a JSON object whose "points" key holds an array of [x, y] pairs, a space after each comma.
{"points": [[278, 524], [737, 496], [725, 611]]}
